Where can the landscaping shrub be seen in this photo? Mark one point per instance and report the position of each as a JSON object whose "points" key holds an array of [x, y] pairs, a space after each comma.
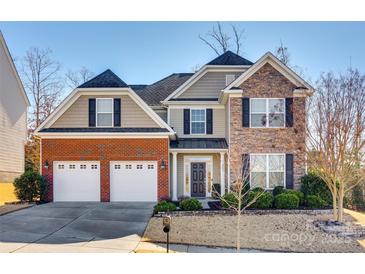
{"points": [[311, 184], [191, 204], [229, 199], [164, 206], [286, 201], [314, 201], [265, 200], [297, 193], [257, 189], [30, 186], [278, 190]]}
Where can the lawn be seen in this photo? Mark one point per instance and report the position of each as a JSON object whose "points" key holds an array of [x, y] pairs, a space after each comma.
{"points": [[279, 232], [7, 193]]}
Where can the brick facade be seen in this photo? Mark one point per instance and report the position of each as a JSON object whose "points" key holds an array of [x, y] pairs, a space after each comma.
{"points": [[106, 150], [265, 83]]}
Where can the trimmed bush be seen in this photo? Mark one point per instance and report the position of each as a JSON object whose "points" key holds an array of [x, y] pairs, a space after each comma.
{"points": [[164, 206], [297, 193], [190, 204], [311, 184], [278, 190], [314, 201], [228, 200], [264, 201], [257, 189], [30, 186], [286, 201]]}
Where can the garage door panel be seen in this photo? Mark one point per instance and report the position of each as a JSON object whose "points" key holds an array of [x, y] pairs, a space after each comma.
{"points": [[133, 181], [76, 181]]}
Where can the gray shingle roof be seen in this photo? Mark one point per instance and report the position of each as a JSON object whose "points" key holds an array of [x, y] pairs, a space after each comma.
{"points": [[230, 59], [199, 143], [106, 79], [137, 87], [102, 129], [157, 92]]}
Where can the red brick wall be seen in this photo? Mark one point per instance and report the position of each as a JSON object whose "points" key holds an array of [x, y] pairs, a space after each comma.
{"points": [[265, 83], [106, 150]]}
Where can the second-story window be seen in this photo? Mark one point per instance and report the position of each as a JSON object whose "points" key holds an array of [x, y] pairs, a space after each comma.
{"points": [[197, 121], [104, 112], [267, 112]]}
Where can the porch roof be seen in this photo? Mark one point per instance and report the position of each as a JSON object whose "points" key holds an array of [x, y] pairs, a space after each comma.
{"points": [[199, 143]]}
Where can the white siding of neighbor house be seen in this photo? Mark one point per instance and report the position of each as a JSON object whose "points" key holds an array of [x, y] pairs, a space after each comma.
{"points": [[77, 115], [13, 120], [177, 122], [208, 86], [180, 171]]}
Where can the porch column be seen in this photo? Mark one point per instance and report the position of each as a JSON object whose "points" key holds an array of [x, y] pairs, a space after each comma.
{"points": [[174, 176], [223, 189]]}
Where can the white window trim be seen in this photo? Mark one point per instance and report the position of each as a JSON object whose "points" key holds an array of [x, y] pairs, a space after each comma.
{"points": [[97, 112], [205, 121], [267, 112], [268, 168]]}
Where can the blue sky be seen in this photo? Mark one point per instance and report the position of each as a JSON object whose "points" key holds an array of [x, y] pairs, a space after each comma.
{"points": [[144, 52]]}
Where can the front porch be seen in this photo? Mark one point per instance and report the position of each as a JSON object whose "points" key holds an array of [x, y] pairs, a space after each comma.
{"points": [[198, 173]]}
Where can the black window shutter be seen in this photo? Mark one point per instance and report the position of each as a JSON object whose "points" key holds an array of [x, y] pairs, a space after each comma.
{"points": [[289, 173], [92, 112], [246, 112], [289, 118], [187, 121], [209, 120], [117, 112], [246, 167]]}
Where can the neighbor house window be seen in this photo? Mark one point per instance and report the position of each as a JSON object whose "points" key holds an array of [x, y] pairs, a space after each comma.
{"points": [[267, 112], [267, 170], [197, 121], [104, 112]]}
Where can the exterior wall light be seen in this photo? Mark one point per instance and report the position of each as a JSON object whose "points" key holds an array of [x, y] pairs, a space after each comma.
{"points": [[46, 164], [163, 164]]}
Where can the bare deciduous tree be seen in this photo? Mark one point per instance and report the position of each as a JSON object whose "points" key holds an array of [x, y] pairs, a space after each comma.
{"points": [[76, 78], [283, 54], [42, 82], [239, 190], [336, 131], [219, 40]]}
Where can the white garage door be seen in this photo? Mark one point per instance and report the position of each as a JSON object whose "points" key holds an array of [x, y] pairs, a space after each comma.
{"points": [[133, 181], [76, 181]]}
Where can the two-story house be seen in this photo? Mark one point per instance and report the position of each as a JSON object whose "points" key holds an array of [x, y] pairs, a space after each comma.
{"points": [[185, 135], [13, 123]]}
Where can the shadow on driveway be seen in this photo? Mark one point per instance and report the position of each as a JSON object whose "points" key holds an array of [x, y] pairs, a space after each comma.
{"points": [[75, 227]]}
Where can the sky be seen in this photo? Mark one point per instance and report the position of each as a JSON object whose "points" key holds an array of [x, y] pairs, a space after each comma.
{"points": [[145, 52]]}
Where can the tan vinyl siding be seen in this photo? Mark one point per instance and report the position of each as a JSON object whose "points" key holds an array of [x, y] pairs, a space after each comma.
{"points": [[13, 121], [77, 114], [180, 171], [177, 122], [208, 86]]}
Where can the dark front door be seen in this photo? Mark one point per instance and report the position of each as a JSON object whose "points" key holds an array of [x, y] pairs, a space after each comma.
{"points": [[197, 179]]}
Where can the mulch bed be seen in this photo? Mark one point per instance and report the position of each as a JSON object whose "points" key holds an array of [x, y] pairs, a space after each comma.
{"points": [[12, 207]]}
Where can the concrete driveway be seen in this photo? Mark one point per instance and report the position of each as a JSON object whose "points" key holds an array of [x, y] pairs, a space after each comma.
{"points": [[75, 227]]}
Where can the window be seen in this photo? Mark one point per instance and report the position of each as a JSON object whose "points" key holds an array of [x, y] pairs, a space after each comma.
{"points": [[61, 166], [139, 166], [104, 112], [150, 167], [82, 166], [267, 112], [230, 78], [94, 166], [72, 166], [267, 170], [197, 121], [128, 166], [116, 166]]}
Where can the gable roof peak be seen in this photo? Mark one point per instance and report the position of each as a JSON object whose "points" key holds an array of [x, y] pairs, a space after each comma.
{"points": [[230, 59], [106, 79]]}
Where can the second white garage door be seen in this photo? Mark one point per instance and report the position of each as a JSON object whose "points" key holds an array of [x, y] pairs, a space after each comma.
{"points": [[133, 181]]}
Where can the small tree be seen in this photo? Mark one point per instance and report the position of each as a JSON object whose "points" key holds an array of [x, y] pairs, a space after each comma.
{"points": [[237, 198], [30, 186], [336, 131], [76, 78]]}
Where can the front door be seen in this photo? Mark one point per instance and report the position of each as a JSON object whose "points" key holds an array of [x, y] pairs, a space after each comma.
{"points": [[197, 179]]}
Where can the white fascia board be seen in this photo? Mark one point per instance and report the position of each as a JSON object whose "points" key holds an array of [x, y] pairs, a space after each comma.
{"points": [[201, 105], [12, 65], [200, 73], [189, 103], [200, 150], [272, 60], [101, 135], [223, 96]]}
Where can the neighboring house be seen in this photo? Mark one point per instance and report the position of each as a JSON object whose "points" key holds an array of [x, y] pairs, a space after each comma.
{"points": [[181, 136], [13, 117]]}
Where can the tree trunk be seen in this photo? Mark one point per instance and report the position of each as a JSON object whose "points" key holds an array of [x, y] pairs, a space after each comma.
{"points": [[341, 195], [334, 204], [238, 231]]}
